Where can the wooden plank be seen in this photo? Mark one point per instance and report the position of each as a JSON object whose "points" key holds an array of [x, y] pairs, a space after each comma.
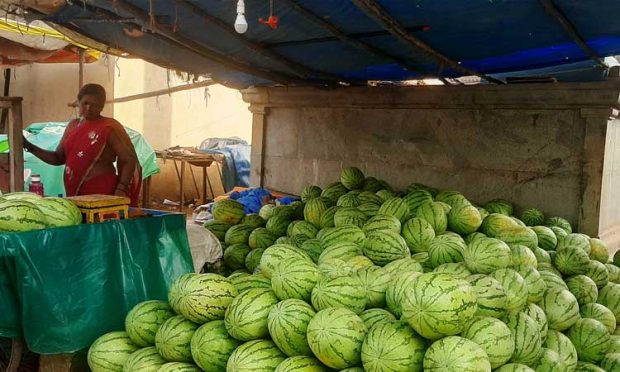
{"points": [[16, 153]]}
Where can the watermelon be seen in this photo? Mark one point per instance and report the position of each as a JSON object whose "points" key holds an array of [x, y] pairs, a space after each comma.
{"points": [[561, 308], [246, 317], [532, 217], [346, 233], [495, 223], [348, 200], [284, 240], [266, 211], [144, 360], [342, 291], [335, 336], [418, 234], [277, 253], [261, 238], [21, 196], [571, 260], [614, 273], [179, 367], [418, 197], [549, 361], [558, 231], [285, 211], [255, 356], [59, 212], [609, 296], [359, 263], [313, 248], [173, 339], [562, 345], [491, 296], [234, 256], [18, 215], [456, 354], [538, 315], [228, 211], [446, 247], [601, 313], [580, 241], [499, 206], [542, 256], [591, 339], [534, 283], [598, 250], [110, 352], [392, 346], [287, 324], [611, 362], [546, 237], [587, 367], [144, 319], [514, 285], [218, 228], [616, 258], [372, 184], [342, 251], [514, 367], [335, 267], [583, 288], [202, 297], [522, 256], [395, 291], [396, 207], [435, 214], [375, 282], [382, 223], [303, 228], [371, 317], [438, 305], [332, 192], [493, 336], [349, 216], [301, 364], [464, 218], [352, 178], [552, 280], [277, 225], [485, 255], [252, 260], [383, 247], [456, 268], [419, 186], [295, 278], [559, 222], [367, 197], [519, 235], [614, 344], [211, 346], [451, 198], [403, 265], [246, 282], [326, 218], [310, 192], [527, 337], [253, 220], [385, 195]]}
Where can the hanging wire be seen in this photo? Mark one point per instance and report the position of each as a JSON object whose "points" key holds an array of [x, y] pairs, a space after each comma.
{"points": [[151, 15], [176, 16]]}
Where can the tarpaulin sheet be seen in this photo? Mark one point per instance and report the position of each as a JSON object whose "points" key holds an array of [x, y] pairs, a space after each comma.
{"points": [[62, 288]]}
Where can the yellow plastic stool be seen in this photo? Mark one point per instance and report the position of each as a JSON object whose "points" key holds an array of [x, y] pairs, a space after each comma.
{"points": [[99, 208]]}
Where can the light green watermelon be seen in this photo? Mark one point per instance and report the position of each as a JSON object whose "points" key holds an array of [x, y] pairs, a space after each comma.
{"points": [[456, 354]]}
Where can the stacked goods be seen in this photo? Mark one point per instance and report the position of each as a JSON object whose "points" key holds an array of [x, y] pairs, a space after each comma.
{"points": [[359, 277], [24, 211]]}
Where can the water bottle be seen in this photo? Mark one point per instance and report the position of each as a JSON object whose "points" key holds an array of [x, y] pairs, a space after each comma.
{"points": [[36, 186]]}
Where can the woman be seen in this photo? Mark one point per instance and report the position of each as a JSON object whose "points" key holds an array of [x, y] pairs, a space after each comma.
{"points": [[89, 147]]}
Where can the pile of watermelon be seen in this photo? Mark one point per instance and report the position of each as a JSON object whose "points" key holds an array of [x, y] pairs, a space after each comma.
{"points": [[25, 211], [359, 277]]}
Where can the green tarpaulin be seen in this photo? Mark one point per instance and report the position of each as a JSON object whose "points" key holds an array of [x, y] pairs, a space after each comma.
{"points": [[62, 288]]}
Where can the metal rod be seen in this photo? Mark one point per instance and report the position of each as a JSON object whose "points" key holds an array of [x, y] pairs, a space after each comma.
{"points": [[556, 12], [382, 17]]}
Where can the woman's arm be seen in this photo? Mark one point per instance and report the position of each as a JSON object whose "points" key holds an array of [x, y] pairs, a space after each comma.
{"points": [[56, 157], [127, 160]]}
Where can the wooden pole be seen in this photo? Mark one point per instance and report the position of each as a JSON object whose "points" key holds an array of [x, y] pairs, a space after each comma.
{"points": [[16, 152], [5, 112], [82, 61]]}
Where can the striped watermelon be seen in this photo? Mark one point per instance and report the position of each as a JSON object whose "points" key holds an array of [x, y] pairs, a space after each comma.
{"points": [[211, 346], [562, 345], [144, 319], [558, 231], [534, 282], [493, 336], [342, 291], [571, 260], [392, 346], [464, 218], [245, 282], [591, 339], [375, 282], [349, 216], [549, 361], [614, 273], [580, 241], [559, 222], [519, 235], [19, 215], [542, 256], [499, 206], [483, 212], [403, 265], [552, 280], [261, 238], [234, 256], [335, 336], [473, 236], [275, 254], [266, 211], [396, 207], [218, 228], [342, 251], [246, 317], [527, 338], [601, 313], [446, 247], [583, 288], [348, 200], [418, 186], [367, 197], [382, 223], [255, 356], [301, 364], [310, 192], [371, 317], [522, 256], [614, 344], [546, 237], [514, 285], [383, 247], [284, 240], [561, 308], [59, 212], [385, 195], [352, 178], [611, 362], [288, 323], [438, 305], [332, 192], [343, 234], [599, 250], [485, 255], [395, 291], [416, 198], [587, 367], [277, 225], [174, 337], [253, 220], [179, 367], [252, 260], [533, 217], [110, 352], [326, 219], [295, 278], [202, 297], [144, 360], [303, 228], [609, 296], [21, 196], [514, 367], [518, 221], [228, 211], [538, 315], [491, 296], [495, 223], [285, 211], [435, 214], [298, 240], [418, 234], [313, 248], [452, 198], [456, 354], [456, 268], [369, 209], [335, 267], [359, 263], [372, 184]]}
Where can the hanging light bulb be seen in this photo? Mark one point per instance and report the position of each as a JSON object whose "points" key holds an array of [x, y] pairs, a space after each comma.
{"points": [[241, 25]]}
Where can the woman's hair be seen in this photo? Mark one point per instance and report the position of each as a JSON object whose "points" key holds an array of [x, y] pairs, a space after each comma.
{"points": [[92, 90]]}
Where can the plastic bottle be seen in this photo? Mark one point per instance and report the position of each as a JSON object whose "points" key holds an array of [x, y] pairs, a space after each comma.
{"points": [[36, 186]]}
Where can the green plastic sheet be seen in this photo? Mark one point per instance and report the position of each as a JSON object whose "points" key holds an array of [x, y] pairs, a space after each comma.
{"points": [[62, 288]]}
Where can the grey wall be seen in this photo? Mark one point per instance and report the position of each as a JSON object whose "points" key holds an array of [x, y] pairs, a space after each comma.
{"points": [[539, 146]]}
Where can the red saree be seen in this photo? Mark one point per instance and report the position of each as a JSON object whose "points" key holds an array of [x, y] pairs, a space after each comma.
{"points": [[83, 146]]}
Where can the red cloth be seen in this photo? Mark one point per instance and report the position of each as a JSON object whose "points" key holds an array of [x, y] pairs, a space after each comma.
{"points": [[83, 146]]}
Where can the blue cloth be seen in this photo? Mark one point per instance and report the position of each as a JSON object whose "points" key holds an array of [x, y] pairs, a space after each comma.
{"points": [[252, 199], [236, 168]]}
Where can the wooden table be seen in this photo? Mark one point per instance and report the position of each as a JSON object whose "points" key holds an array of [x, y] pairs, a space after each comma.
{"points": [[201, 160]]}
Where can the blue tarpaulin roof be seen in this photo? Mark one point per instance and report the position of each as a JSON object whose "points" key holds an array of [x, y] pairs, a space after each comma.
{"points": [[491, 37]]}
